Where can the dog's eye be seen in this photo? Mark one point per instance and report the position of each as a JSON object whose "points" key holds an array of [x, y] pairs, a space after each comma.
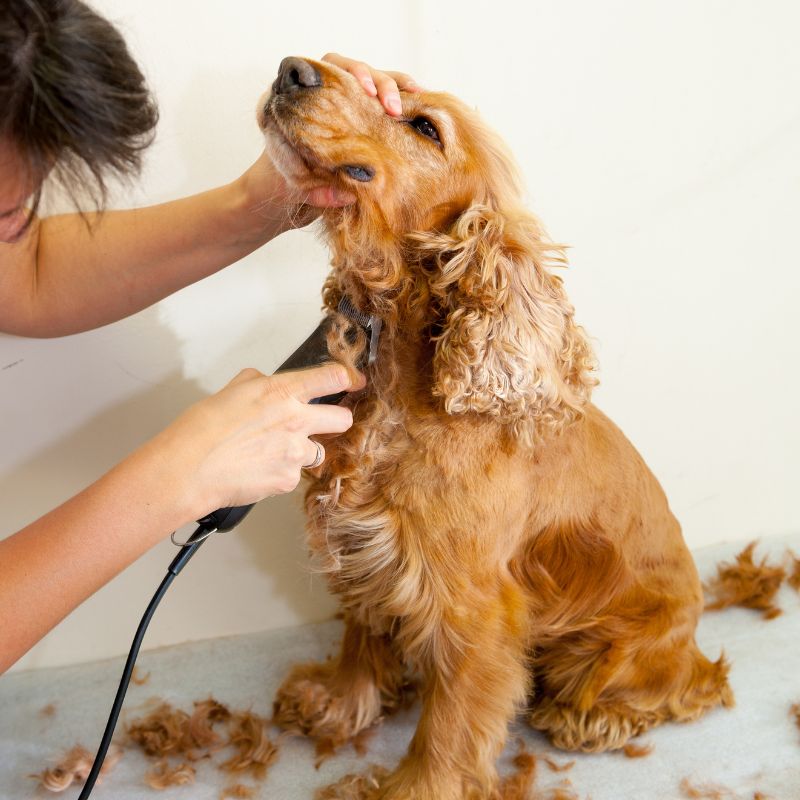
{"points": [[424, 126], [363, 174]]}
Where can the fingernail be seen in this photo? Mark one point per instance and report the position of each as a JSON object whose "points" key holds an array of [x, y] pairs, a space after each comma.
{"points": [[393, 103], [369, 85], [342, 376]]}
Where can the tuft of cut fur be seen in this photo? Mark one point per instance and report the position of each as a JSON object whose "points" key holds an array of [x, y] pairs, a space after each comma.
{"points": [[632, 750], [708, 791], [255, 753], [794, 577], [746, 584], [167, 732], [74, 767], [239, 790], [519, 784], [795, 712], [163, 775]]}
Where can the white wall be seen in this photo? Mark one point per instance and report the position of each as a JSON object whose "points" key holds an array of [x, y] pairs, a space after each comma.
{"points": [[661, 140]]}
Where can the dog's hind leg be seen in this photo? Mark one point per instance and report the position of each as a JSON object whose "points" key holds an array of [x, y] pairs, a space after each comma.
{"points": [[613, 647], [334, 700], [621, 691]]}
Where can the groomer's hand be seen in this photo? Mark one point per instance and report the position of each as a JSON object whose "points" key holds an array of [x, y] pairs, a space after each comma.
{"points": [[272, 197], [251, 440], [385, 86]]}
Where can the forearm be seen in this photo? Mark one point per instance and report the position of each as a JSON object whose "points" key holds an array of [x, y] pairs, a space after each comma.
{"points": [[77, 277], [54, 564], [244, 443]]}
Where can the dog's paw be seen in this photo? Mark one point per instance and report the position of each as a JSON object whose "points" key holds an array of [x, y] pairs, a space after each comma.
{"points": [[318, 701], [376, 784], [408, 782], [592, 731], [363, 786]]}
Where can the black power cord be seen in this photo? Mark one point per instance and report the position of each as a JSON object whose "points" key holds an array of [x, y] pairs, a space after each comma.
{"points": [[221, 520]]}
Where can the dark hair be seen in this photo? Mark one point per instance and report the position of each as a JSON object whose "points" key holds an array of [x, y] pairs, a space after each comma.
{"points": [[73, 102]]}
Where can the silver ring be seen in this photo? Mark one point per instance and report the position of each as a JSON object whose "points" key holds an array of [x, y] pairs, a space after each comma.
{"points": [[319, 459]]}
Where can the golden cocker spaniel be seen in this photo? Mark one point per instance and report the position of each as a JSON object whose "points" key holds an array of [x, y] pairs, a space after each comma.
{"points": [[486, 528]]}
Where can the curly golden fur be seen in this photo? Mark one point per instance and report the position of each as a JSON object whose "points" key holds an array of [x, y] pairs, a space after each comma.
{"points": [[484, 525]]}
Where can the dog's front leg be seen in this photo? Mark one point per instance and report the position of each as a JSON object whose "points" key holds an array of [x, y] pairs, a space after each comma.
{"points": [[334, 700], [474, 679]]}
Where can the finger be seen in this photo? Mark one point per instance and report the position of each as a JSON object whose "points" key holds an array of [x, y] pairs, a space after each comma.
{"points": [[404, 81], [358, 69], [316, 457], [388, 93], [385, 85], [329, 197], [319, 418], [307, 384]]}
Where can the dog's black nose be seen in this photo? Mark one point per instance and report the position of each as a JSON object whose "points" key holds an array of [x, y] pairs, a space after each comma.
{"points": [[295, 74]]}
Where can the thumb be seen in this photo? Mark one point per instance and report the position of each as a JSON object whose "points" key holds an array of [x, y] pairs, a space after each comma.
{"points": [[306, 384]]}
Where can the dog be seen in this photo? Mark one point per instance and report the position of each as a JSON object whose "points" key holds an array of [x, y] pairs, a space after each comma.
{"points": [[485, 527]]}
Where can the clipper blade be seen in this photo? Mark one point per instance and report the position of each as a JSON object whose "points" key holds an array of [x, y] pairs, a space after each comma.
{"points": [[347, 308], [370, 323]]}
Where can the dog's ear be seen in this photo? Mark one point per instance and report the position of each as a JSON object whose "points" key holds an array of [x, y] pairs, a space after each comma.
{"points": [[508, 346]]}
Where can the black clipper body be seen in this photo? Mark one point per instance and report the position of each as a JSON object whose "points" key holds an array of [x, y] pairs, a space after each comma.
{"points": [[311, 353]]}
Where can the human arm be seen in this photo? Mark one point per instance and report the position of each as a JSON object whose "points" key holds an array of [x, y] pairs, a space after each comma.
{"points": [[68, 274], [65, 276], [245, 442]]}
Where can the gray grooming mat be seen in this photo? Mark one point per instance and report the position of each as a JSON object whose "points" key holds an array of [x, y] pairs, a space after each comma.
{"points": [[753, 747]]}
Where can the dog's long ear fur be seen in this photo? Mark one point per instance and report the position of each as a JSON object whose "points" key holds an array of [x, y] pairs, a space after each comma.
{"points": [[508, 346]]}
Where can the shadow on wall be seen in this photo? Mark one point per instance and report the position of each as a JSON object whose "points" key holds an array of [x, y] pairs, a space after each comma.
{"points": [[95, 397], [252, 578], [272, 536]]}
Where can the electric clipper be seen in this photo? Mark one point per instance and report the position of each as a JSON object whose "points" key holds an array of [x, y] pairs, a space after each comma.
{"points": [[312, 353]]}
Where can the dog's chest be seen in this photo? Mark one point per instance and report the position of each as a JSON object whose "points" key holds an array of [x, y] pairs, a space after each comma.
{"points": [[358, 524], [378, 532]]}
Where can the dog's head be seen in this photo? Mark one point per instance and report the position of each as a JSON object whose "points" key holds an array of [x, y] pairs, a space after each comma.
{"points": [[438, 241]]}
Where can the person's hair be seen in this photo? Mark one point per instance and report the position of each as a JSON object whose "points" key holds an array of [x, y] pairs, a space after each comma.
{"points": [[73, 102]]}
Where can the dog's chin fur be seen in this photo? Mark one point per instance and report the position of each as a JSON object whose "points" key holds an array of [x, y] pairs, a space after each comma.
{"points": [[486, 528], [295, 169], [289, 164]]}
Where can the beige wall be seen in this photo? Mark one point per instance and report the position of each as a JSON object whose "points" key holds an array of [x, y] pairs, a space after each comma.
{"points": [[661, 140]]}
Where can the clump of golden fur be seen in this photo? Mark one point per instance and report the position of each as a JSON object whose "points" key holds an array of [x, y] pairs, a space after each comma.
{"points": [[74, 767], [746, 584], [168, 732], [794, 576], [484, 525]]}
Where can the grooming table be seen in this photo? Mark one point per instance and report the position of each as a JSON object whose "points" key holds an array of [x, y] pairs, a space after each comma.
{"points": [[753, 747]]}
